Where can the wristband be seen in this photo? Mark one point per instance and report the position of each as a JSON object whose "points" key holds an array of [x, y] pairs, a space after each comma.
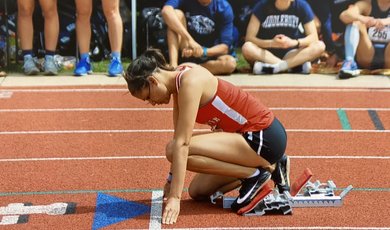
{"points": [[204, 52], [169, 178]]}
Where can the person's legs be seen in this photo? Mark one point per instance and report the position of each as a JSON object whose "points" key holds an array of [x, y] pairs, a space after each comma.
{"points": [[387, 57], [204, 185], [365, 49], [223, 65], [52, 28], [175, 41], [253, 53], [26, 34], [227, 156], [304, 55], [83, 33], [115, 34], [351, 40]]}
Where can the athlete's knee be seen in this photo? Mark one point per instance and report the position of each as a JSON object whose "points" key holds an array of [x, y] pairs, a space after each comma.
{"points": [[247, 50], [25, 10], [196, 193], [169, 151], [229, 64], [316, 49]]}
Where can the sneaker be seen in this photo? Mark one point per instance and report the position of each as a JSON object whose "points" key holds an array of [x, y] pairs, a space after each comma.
{"points": [[115, 68], [305, 68], [258, 68], [281, 174], [30, 66], [262, 68], [50, 67], [250, 187], [349, 69], [83, 68]]}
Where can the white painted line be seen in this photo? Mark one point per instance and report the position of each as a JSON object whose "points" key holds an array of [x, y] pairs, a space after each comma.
{"points": [[163, 157], [80, 158], [285, 228], [270, 89], [83, 110], [171, 131], [5, 94], [170, 109], [156, 210]]}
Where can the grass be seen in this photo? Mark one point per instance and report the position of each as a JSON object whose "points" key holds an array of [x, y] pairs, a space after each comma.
{"points": [[102, 66]]}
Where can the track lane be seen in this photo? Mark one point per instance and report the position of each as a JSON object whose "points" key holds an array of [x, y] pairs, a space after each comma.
{"points": [[122, 99], [122, 120], [65, 176], [146, 144]]}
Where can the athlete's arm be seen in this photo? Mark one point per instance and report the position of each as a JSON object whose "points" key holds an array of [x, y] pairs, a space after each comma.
{"points": [[173, 22], [356, 12], [189, 96], [311, 34], [254, 26]]}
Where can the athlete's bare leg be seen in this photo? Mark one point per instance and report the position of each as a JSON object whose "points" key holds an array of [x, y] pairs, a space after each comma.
{"points": [[83, 24], [114, 22], [175, 42], [252, 53], [223, 65], [221, 158], [52, 26], [25, 24]]}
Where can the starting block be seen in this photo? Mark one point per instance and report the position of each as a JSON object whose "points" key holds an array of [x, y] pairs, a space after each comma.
{"points": [[303, 194]]}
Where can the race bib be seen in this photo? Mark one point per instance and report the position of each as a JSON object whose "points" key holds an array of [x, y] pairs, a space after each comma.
{"points": [[377, 35]]}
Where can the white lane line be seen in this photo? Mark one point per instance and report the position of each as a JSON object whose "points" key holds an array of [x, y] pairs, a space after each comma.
{"points": [[171, 131], [163, 157], [170, 109], [270, 89], [156, 210], [285, 228]]}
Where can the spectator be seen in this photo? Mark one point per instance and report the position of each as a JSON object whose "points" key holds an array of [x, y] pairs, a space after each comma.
{"points": [[26, 33], [115, 34], [274, 41], [202, 30], [367, 37], [330, 27]]}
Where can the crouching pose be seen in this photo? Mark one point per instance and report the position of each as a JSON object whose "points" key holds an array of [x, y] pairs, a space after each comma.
{"points": [[247, 150]]}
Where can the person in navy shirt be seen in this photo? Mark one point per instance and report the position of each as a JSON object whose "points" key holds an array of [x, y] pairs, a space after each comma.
{"points": [[281, 36], [200, 31]]}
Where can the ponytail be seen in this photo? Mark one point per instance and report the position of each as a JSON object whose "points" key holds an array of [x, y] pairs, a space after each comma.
{"points": [[138, 71]]}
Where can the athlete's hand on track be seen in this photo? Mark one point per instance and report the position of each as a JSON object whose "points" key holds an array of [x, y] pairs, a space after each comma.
{"points": [[171, 211]]}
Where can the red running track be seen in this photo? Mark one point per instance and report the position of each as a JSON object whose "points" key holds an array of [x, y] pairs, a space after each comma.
{"points": [[71, 144]]}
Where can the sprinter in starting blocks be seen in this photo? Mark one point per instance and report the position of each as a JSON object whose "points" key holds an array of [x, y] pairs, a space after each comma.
{"points": [[303, 193]]}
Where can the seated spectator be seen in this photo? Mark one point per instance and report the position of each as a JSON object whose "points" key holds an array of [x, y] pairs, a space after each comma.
{"points": [[367, 37], [274, 41], [26, 33], [330, 28], [202, 31], [83, 31]]}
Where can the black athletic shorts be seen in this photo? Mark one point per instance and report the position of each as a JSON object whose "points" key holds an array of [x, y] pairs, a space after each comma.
{"points": [[269, 143]]}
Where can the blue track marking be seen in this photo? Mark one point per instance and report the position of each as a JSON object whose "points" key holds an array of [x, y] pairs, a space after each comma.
{"points": [[111, 210]]}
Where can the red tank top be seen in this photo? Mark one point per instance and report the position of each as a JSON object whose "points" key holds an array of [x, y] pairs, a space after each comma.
{"points": [[231, 109]]}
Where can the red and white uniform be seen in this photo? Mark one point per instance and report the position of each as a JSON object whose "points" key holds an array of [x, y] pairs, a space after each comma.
{"points": [[231, 109]]}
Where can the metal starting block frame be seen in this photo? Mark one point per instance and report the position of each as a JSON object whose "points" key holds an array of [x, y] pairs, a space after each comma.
{"points": [[303, 194]]}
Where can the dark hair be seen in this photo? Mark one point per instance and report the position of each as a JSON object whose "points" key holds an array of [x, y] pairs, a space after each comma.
{"points": [[143, 66]]}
